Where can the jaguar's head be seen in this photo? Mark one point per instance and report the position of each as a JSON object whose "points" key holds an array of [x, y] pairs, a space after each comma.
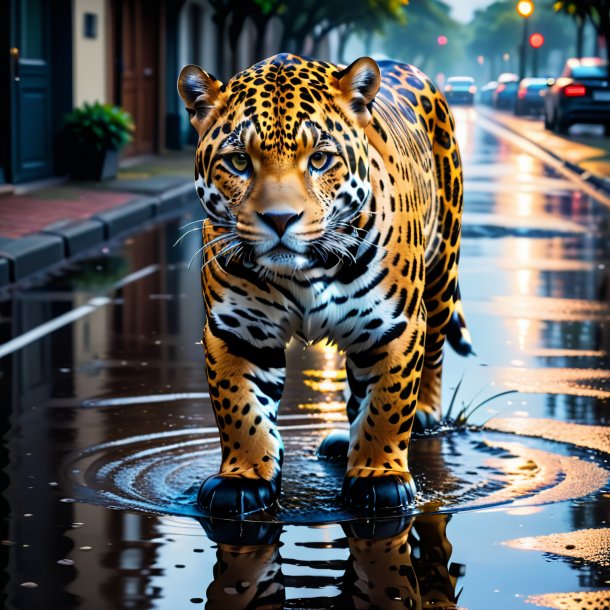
{"points": [[282, 162]]}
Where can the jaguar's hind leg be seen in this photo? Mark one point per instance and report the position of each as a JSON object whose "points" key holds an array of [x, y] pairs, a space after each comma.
{"points": [[429, 409]]}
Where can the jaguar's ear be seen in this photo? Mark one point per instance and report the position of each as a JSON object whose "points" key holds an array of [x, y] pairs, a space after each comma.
{"points": [[359, 84], [202, 95]]}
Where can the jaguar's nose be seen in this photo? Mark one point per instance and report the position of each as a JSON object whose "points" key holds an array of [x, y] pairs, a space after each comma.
{"points": [[279, 221]]}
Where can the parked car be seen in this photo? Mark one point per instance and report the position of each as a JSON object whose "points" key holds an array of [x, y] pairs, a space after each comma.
{"points": [[505, 94], [580, 95], [460, 90], [530, 96], [486, 92]]}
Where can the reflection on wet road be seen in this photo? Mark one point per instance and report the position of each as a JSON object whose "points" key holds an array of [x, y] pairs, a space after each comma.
{"points": [[108, 429]]}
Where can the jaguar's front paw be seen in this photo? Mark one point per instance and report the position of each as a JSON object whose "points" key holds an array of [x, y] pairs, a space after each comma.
{"points": [[365, 489], [223, 495]]}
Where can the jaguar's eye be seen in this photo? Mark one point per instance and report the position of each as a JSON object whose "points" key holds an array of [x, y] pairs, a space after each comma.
{"points": [[319, 161], [240, 162]]}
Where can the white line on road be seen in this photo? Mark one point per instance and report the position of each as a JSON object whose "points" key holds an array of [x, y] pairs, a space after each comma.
{"points": [[67, 318], [52, 325], [140, 400], [135, 276]]}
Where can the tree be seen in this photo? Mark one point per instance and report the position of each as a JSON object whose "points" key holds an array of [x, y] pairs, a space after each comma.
{"points": [[307, 19], [317, 18], [596, 11], [578, 11], [498, 29], [415, 41]]}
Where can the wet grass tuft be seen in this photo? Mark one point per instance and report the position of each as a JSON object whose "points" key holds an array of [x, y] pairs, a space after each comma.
{"points": [[460, 418], [468, 409]]}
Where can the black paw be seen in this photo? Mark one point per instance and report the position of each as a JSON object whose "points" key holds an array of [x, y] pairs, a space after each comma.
{"points": [[230, 495], [334, 446], [379, 492]]}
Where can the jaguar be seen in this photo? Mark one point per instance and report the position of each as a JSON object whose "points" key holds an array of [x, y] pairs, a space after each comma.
{"points": [[333, 201]]}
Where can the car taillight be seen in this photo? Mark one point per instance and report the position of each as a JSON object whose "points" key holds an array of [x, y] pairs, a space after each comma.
{"points": [[472, 89], [448, 88], [521, 93], [574, 90], [501, 88]]}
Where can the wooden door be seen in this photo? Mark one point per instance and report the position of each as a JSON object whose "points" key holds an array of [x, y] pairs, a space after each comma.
{"points": [[140, 71], [30, 103]]}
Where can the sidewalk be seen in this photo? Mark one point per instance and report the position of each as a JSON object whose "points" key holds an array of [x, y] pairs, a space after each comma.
{"points": [[44, 227], [586, 155]]}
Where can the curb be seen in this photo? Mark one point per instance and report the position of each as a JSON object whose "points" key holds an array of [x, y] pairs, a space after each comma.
{"points": [[60, 241], [598, 182]]}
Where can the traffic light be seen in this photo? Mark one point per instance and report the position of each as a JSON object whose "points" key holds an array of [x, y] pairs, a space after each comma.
{"points": [[442, 40], [536, 40]]}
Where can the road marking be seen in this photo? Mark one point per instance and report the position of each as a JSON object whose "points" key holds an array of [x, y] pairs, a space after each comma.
{"points": [[139, 400], [52, 325], [135, 276], [92, 305]]}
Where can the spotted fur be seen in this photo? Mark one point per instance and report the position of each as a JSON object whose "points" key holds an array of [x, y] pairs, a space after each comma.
{"points": [[333, 199]]}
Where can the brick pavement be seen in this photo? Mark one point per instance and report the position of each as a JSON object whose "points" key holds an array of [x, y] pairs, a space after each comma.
{"points": [[47, 226]]}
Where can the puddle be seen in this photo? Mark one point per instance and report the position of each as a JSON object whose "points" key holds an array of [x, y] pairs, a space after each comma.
{"points": [[455, 471]]}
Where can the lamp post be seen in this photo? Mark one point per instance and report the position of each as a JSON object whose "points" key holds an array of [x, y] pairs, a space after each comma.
{"points": [[525, 8], [536, 41]]}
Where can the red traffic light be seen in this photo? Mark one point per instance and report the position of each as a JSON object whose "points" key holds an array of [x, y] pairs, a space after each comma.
{"points": [[442, 40], [536, 40]]}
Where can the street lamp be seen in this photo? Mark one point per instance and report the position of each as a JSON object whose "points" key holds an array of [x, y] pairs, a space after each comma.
{"points": [[525, 8]]}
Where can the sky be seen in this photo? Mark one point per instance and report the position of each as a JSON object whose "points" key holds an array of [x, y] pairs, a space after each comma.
{"points": [[462, 10]]}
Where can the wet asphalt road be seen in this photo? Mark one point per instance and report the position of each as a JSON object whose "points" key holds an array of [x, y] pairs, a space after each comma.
{"points": [[107, 429]]}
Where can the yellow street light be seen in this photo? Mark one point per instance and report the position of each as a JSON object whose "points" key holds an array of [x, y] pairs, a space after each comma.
{"points": [[525, 8]]}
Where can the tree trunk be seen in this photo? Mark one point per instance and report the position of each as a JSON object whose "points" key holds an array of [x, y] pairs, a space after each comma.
{"points": [[344, 36], [368, 43], [580, 30], [285, 45], [299, 43], [317, 44], [259, 43], [236, 29], [220, 47], [604, 31], [319, 39]]}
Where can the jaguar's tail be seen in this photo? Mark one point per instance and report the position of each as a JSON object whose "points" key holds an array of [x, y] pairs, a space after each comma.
{"points": [[457, 333]]}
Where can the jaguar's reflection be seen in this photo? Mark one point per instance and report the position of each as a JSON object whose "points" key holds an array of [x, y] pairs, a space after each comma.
{"points": [[401, 563]]}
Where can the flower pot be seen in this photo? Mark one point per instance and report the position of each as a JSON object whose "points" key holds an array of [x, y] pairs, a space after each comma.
{"points": [[95, 165]]}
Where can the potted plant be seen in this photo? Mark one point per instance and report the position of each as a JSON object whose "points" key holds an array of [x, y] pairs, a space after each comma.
{"points": [[95, 133]]}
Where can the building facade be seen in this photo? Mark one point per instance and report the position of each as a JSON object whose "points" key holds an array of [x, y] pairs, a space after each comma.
{"points": [[59, 54]]}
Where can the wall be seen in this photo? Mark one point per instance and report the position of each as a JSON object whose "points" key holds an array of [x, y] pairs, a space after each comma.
{"points": [[90, 54]]}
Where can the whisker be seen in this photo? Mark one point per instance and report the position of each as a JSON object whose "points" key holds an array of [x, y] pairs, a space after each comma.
{"points": [[198, 229], [191, 223], [222, 237], [223, 251], [194, 255]]}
